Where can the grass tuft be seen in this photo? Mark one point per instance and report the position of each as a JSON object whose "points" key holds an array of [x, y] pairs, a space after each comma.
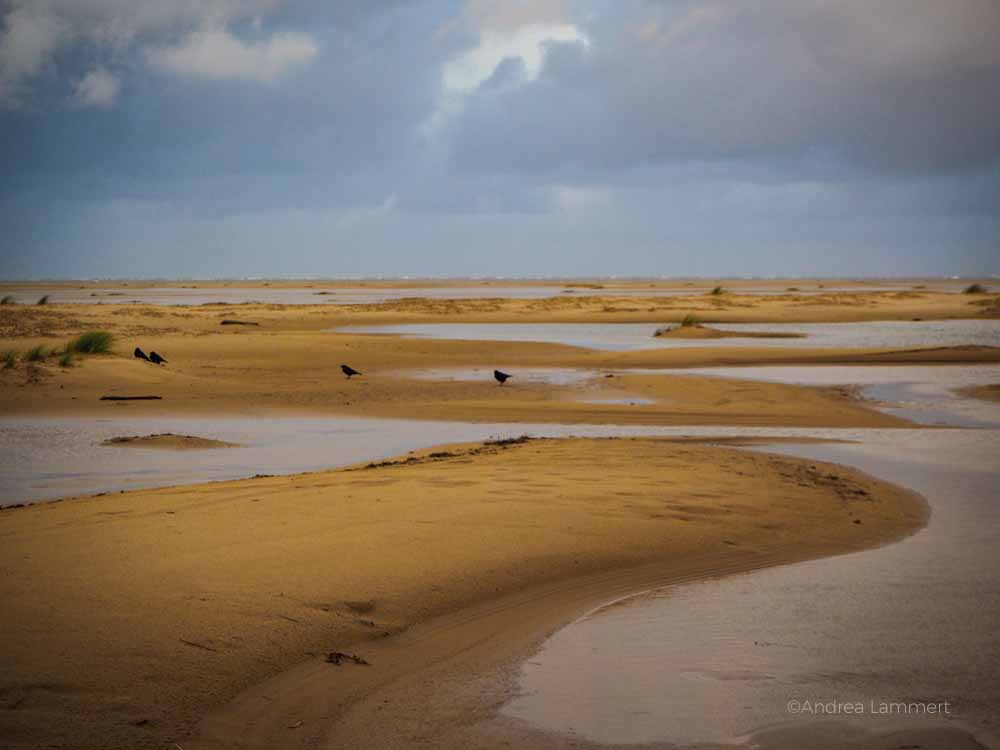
{"points": [[66, 360], [36, 354], [91, 342], [974, 289], [690, 321], [43, 300], [718, 290], [9, 359], [8, 300]]}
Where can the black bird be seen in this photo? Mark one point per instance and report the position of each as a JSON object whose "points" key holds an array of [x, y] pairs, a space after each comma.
{"points": [[501, 376], [156, 359], [348, 371], [140, 354]]}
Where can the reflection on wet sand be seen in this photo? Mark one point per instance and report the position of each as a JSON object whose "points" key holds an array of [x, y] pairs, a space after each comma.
{"points": [[650, 669], [630, 336], [940, 395], [911, 622]]}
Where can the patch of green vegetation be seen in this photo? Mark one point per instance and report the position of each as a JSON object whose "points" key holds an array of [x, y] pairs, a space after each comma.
{"points": [[36, 354], [975, 289], [91, 342], [66, 360], [690, 321], [9, 359]]}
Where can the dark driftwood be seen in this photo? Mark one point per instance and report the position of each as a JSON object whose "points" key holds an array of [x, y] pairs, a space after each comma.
{"points": [[131, 398], [228, 322]]}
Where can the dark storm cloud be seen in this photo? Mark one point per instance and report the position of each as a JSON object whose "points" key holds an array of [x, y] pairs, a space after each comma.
{"points": [[894, 86], [498, 136], [346, 117]]}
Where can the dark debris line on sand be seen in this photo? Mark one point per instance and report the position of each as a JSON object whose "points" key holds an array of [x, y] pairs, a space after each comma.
{"points": [[131, 398]]}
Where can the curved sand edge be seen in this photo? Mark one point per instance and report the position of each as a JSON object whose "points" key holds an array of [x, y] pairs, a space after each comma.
{"points": [[441, 681], [168, 441], [477, 549]]}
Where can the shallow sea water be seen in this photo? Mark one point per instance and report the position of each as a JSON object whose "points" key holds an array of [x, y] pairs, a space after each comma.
{"points": [[706, 662], [720, 660], [631, 336]]}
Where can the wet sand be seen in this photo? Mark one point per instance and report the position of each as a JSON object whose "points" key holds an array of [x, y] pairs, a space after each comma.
{"points": [[132, 615], [158, 606], [289, 364], [909, 623], [699, 331], [168, 441], [704, 662], [989, 392]]}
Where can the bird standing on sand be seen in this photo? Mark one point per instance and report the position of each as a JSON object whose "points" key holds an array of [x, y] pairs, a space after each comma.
{"points": [[140, 354], [501, 376], [348, 371], [156, 359]]}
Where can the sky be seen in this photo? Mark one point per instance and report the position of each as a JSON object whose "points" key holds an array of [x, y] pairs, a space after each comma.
{"points": [[305, 138]]}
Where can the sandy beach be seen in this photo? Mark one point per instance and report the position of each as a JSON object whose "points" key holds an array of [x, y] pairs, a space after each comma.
{"points": [[130, 616], [202, 615], [491, 374], [289, 363]]}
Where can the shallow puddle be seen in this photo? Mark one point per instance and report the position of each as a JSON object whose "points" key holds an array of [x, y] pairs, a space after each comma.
{"points": [[630, 336], [44, 459], [50, 458], [926, 394], [549, 375], [714, 661]]}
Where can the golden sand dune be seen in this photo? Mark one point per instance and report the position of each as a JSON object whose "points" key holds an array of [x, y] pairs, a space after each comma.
{"points": [[128, 617], [290, 364]]}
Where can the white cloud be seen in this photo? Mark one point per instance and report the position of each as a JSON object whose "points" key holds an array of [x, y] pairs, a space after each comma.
{"points": [[518, 30], [98, 88], [32, 32], [217, 54], [467, 71], [27, 42]]}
